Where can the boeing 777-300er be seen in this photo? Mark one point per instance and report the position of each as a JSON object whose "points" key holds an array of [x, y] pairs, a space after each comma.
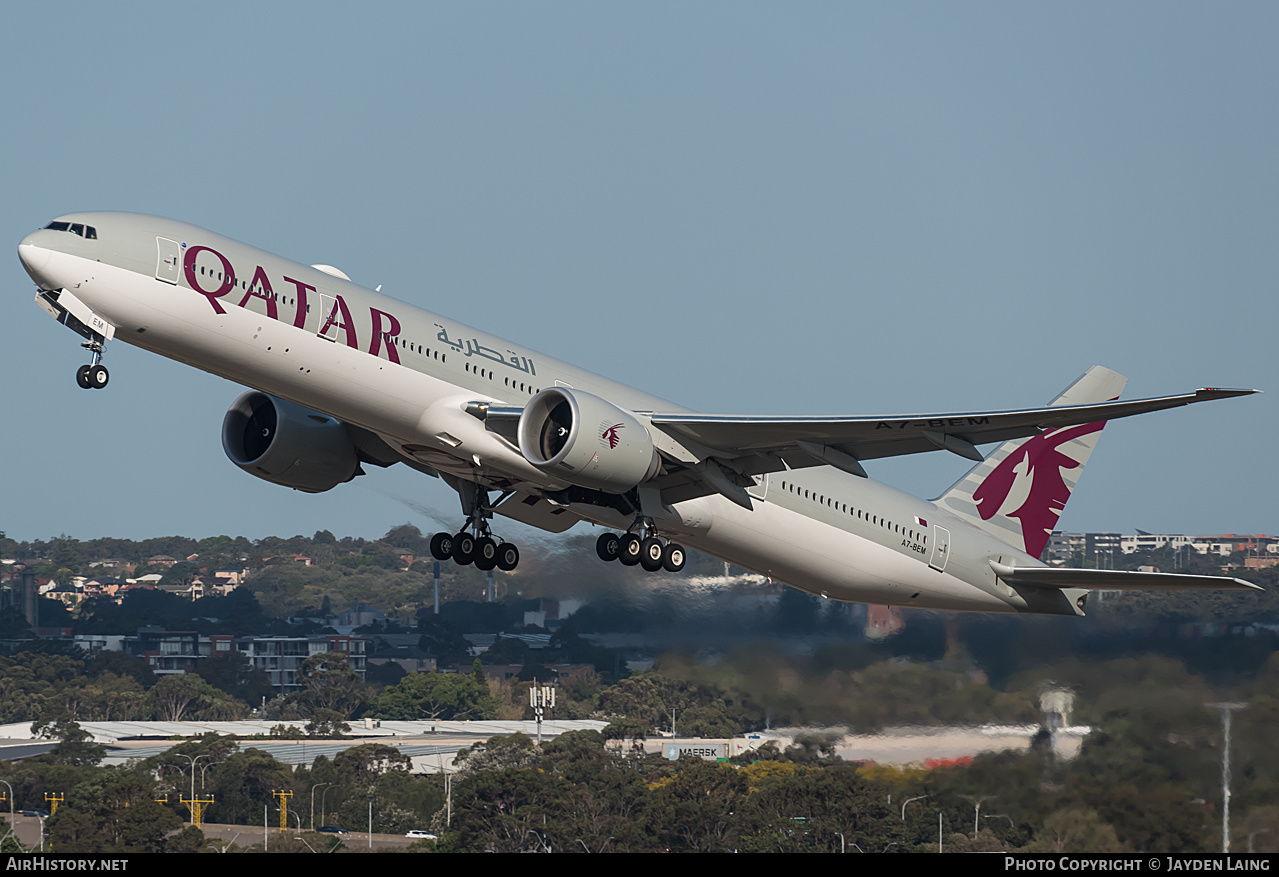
{"points": [[343, 377]]}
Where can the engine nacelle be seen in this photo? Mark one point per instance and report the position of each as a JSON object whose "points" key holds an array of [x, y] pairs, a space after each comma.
{"points": [[287, 444], [586, 441]]}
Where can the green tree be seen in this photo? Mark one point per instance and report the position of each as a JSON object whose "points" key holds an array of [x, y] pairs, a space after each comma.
{"points": [[75, 745], [232, 673], [327, 723], [421, 696], [186, 694], [695, 810], [1076, 831], [368, 762], [443, 640], [243, 785], [329, 683]]}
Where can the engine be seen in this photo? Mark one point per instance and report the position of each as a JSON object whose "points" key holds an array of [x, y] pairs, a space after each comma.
{"points": [[287, 444], [586, 441]]}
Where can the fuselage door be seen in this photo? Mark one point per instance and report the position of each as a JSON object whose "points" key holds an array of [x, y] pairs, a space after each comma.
{"points": [[168, 260], [760, 487], [941, 548]]}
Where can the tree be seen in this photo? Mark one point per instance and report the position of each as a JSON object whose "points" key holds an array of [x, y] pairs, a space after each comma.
{"points": [[499, 753], [368, 762], [329, 683], [75, 745], [242, 784], [435, 696], [443, 640], [694, 810], [112, 810], [232, 673], [656, 700], [186, 694], [327, 723], [1076, 831]]}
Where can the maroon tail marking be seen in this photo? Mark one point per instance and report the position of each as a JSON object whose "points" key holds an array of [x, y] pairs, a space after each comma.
{"points": [[1048, 490]]}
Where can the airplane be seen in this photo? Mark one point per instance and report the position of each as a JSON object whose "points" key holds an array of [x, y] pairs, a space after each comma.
{"points": [[344, 377]]}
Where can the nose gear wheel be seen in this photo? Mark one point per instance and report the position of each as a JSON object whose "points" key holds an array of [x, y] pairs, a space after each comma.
{"points": [[93, 376]]}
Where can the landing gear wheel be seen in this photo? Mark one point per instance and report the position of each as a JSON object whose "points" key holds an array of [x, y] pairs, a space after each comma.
{"points": [[607, 546], [628, 549], [651, 554], [97, 376], [485, 553], [463, 548], [508, 557], [82, 377], [442, 546], [673, 557]]}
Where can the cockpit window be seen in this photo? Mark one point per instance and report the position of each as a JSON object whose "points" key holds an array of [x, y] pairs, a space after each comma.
{"points": [[85, 231]]}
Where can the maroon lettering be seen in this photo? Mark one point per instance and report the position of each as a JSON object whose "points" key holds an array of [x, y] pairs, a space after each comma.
{"points": [[228, 277], [388, 335], [331, 321], [299, 318], [261, 288]]}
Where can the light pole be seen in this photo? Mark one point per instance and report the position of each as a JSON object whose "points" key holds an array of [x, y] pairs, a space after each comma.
{"points": [[1227, 709], [908, 800], [977, 802], [323, 797], [313, 788], [206, 767], [193, 759]]}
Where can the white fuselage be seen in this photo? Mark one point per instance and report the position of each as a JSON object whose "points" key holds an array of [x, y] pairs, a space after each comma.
{"points": [[407, 374]]}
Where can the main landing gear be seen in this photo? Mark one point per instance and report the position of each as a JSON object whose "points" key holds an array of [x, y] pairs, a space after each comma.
{"points": [[645, 548], [93, 376], [476, 547], [475, 542]]}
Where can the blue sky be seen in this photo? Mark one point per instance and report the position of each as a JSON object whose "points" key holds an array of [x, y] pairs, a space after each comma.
{"points": [[816, 208]]}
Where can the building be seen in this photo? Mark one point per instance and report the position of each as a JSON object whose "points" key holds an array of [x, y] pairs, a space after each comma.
{"points": [[1104, 547], [280, 657]]}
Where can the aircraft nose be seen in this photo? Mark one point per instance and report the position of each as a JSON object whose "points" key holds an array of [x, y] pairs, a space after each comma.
{"points": [[33, 256]]}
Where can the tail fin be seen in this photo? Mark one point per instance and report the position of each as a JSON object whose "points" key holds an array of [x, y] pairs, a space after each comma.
{"points": [[1019, 491]]}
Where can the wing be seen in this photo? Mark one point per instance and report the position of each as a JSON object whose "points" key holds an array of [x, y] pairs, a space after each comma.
{"points": [[869, 438], [727, 451]]}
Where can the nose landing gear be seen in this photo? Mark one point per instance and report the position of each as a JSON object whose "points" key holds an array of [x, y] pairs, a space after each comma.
{"points": [[93, 376], [63, 306]]}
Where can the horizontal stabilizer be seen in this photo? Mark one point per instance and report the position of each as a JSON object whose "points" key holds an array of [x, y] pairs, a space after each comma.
{"points": [[1115, 580]]}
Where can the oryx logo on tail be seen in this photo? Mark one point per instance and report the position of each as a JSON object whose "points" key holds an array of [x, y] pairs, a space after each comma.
{"points": [[1018, 492], [1036, 468]]}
